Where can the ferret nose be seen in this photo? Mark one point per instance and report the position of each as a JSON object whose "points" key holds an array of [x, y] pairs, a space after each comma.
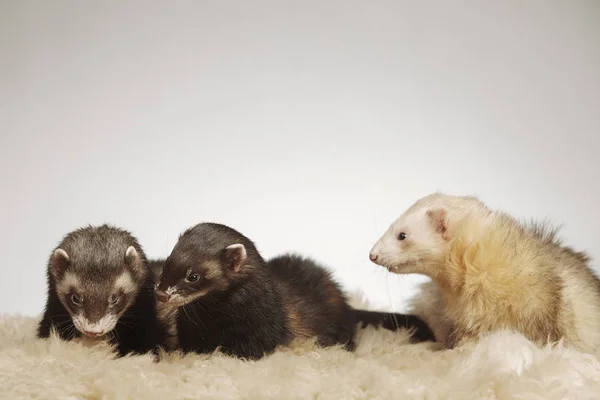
{"points": [[373, 257], [161, 295]]}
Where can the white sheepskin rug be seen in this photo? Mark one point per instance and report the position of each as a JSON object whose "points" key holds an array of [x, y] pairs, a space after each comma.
{"points": [[385, 366]]}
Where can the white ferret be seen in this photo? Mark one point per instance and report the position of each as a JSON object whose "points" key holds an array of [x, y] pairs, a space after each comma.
{"points": [[490, 272]]}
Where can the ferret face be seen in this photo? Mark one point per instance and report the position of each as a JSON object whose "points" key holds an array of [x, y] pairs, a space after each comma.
{"points": [[418, 240], [94, 297], [181, 283], [190, 273], [409, 244]]}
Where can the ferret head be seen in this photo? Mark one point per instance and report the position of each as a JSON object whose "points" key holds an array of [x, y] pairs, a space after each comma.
{"points": [[97, 273], [207, 258], [418, 240]]}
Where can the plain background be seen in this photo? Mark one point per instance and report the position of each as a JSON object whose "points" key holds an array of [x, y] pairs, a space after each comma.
{"points": [[308, 126]]}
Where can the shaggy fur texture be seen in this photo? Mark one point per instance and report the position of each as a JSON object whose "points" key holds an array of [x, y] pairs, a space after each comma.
{"points": [[493, 272], [502, 366], [499, 273]]}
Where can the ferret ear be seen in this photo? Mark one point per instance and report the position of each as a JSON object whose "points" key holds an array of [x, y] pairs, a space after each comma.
{"points": [[59, 262], [134, 260], [438, 217], [234, 256]]}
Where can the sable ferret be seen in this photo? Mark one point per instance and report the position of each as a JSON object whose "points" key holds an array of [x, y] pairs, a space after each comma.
{"points": [[99, 286], [491, 272], [222, 294]]}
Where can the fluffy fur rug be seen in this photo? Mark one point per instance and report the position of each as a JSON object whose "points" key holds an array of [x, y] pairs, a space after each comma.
{"points": [[385, 366]]}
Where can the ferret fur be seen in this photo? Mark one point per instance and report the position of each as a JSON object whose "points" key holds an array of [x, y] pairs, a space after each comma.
{"points": [[95, 263], [492, 272], [312, 292], [235, 305], [250, 307]]}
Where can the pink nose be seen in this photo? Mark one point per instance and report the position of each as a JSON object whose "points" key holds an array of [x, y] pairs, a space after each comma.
{"points": [[92, 334], [161, 295], [373, 257]]}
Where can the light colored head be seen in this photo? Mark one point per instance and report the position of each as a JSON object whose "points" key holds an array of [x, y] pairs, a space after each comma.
{"points": [[97, 278], [417, 241]]}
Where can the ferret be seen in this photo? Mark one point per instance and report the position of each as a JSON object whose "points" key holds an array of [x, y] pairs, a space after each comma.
{"points": [[491, 272], [99, 286], [224, 295]]}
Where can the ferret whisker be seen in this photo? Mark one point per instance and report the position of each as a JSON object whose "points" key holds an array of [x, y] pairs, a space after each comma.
{"points": [[115, 335], [66, 332], [196, 315], [387, 284], [184, 308], [203, 304], [62, 323], [63, 329], [126, 324], [375, 225], [131, 314], [69, 331], [229, 313], [54, 316]]}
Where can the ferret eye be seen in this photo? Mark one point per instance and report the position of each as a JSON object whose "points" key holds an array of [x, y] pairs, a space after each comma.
{"points": [[192, 278], [76, 299], [113, 300], [402, 236]]}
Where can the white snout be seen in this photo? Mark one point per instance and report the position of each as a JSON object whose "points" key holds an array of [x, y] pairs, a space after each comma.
{"points": [[374, 253], [95, 329]]}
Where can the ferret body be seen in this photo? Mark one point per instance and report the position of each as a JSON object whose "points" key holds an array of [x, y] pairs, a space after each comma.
{"points": [[99, 286], [224, 295], [313, 295], [491, 272], [227, 296]]}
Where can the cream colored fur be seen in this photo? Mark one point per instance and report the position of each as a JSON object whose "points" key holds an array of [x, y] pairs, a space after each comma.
{"points": [[385, 366], [491, 272], [430, 305], [499, 274], [423, 250]]}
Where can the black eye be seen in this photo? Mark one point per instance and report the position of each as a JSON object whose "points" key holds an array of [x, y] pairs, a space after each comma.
{"points": [[192, 278], [77, 300], [402, 236], [113, 300]]}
